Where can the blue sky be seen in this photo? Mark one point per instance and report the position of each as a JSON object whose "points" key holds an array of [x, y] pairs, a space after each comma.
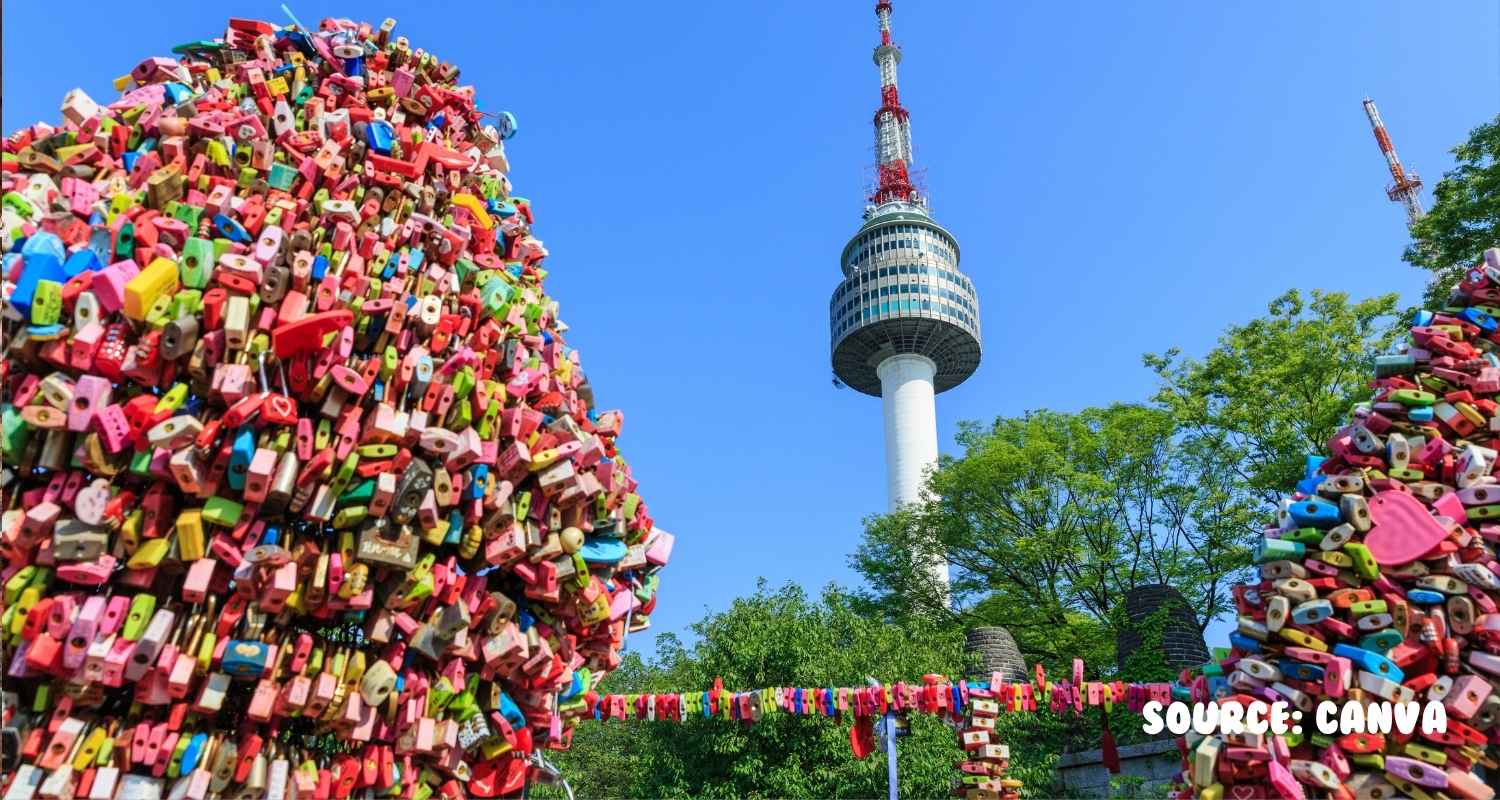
{"points": [[1122, 177]]}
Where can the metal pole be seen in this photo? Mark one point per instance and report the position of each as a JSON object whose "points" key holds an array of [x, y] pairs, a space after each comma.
{"points": [[890, 756]]}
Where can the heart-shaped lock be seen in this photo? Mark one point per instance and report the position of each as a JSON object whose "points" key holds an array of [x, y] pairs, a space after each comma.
{"points": [[92, 501]]}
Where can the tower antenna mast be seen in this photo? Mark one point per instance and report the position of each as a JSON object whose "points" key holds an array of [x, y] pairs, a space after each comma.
{"points": [[892, 122], [1406, 186]]}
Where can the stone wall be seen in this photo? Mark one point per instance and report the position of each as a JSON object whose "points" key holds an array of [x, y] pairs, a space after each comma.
{"points": [[1083, 775], [1181, 640], [997, 653]]}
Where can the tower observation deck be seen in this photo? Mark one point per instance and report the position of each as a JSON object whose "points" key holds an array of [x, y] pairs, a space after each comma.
{"points": [[904, 321]]}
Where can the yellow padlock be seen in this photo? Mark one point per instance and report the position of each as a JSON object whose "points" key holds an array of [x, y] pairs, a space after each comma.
{"points": [[150, 554], [29, 597], [159, 278], [190, 542]]}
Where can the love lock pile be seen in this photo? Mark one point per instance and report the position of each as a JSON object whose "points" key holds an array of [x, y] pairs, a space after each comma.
{"points": [[982, 772], [1379, 583], [305, 493]]}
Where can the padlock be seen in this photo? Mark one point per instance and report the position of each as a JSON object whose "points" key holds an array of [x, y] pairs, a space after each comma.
{"points": [[234, 314]]}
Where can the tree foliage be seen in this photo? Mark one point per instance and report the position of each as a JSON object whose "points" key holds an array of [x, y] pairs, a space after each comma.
{"points": [[1465, 215], [771, 638], [1049, 518], [1276, 388]]}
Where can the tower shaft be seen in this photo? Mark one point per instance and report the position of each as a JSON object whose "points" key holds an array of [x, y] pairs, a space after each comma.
{"points": [[910, 408]]}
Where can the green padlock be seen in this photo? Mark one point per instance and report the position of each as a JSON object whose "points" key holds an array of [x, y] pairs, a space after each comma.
{"points": [[1365, 607], [1364, 563], [1484, 512], [222, 511], [125, 241], [196, 263], [1412, 397], [142, 606], [46, 304]]}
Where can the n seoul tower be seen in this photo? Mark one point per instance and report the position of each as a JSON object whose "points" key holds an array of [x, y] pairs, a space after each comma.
{"points": [[904, 321]]}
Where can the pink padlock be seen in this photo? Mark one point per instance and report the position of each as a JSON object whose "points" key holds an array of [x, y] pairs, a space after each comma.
{"points": [[84, 344], [109, 284], [199, 578], [82, 632], [38, 522], [258, 478], [88, 573], [1464, 784], [113, 673], [113, 427], [1466, 696], [283, 582], [189, 474]]}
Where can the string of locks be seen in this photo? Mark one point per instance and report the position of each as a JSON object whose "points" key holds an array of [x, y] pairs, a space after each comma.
{"points": [[970, 707], [934, 694]]}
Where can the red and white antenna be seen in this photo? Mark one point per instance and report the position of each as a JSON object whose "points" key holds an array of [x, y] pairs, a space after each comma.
{"points": [[1406, 186], [894, 180]]}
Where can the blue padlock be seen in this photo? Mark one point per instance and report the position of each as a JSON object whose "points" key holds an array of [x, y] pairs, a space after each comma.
{"points": [[1484, 321], [455, 527], [244, 658], [511, 712], [1311, 477], [35, 268], [602, 550], [1243, 642], [1299, 670], [1373, 663], [575, 688], [101, 241], [380, 135], [1312, 612], [240, 455], [1425, 597], [177, 92], [230, 229], [1315, 512], [192, 752], [81, 261], [506, 125]]}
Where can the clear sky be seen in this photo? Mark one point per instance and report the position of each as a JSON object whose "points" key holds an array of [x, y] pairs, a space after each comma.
{"points": [[1122, 178]]}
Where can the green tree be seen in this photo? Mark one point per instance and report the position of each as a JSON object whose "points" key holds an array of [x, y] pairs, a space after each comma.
{"points": [[1277, 387], [771, 638], [1049, 518], [1465, 215]]}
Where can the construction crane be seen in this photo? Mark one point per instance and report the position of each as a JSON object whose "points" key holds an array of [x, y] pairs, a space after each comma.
{"points": [[1406, 186]]}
